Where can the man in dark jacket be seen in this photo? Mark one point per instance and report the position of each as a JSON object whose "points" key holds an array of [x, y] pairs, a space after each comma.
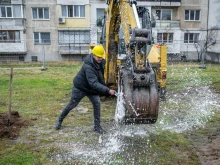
{"points": [[89, 82]]}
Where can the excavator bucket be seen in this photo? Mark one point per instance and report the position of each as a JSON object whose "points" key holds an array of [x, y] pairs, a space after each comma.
{"points": [[136, 105]]}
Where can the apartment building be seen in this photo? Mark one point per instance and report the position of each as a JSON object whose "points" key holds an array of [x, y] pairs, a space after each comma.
{"points": [[41, 30], [59, 30], [73, 28], [213, 52], [12, 31], [180, 24]]}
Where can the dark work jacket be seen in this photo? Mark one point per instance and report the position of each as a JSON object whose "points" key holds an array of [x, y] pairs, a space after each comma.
{"points": [[90, 78]]}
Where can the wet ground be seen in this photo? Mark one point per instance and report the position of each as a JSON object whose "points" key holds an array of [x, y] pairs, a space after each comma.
{"points": [[181, 113], [187, 132]]}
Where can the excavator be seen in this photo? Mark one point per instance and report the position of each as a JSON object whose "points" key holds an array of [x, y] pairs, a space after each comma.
{"points": [[135, 66]]}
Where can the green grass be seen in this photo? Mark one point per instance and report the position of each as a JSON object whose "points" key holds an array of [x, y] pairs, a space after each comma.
{"points": [[43, 94]]}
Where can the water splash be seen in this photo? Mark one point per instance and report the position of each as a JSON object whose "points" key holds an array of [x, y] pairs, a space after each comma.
{"points": [[180, 112]]}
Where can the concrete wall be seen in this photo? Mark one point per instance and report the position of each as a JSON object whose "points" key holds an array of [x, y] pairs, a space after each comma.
{"points": [[214, 22], [17, 24], [98, 4], [50, 50], [194, 5]]}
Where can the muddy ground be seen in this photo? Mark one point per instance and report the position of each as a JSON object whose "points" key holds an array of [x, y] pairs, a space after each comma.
{"points": [[10, 126], [205, 144]]}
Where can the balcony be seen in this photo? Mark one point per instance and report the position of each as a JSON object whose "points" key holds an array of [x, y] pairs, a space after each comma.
{"points": [[12, 22], [162, 2], [167, 23], [74, 49], [13, 48]]}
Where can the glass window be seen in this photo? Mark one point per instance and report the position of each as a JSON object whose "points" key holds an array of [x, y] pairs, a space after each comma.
{"points": [[158, 14], [40, 13], [76, 11], [163, 14], [70, 11], [42, 37], [164, 37], [64, 11], [3, 12], [17, 11], [170, 37], [73, 11], [191, 37], [34, 11], [79, 11], [46, 13], [100, 13], [82, 11], [9, 12], [197, 15], [166, 14], [73, 37], [45, 37], [17, 36], [6, 11], [186, 14], [9, 36], [192, 15], [159, 37]]}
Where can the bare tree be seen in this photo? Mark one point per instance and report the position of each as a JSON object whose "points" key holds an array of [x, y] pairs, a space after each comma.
{"points": [[205, 42]]}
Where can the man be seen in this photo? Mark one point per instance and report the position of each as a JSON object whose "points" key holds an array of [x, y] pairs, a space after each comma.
{"points": [[89, 82]]}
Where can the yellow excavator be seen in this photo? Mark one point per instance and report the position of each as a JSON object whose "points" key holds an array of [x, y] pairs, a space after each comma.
{"points": [[134, 65]]}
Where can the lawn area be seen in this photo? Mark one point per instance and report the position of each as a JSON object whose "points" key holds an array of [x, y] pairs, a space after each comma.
{"points": [[39, 97]]}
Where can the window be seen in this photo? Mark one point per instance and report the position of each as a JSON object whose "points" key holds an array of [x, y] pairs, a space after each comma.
{"points": [[42, 37], [99, 22], [163, 14], [165, 37], [191, 37], [73, 11], [14, 11], [100, 13], [192, 15], [40, 13], [74, 37], [9, 36]]}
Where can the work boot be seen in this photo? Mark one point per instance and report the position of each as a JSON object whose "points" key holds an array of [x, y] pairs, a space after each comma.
{"points": [[58, 124], [99, 130]]}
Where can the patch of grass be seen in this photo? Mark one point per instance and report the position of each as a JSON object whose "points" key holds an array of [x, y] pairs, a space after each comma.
{"points": [[40, 96]]}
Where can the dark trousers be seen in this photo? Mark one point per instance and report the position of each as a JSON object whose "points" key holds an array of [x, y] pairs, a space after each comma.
{"points": [[76, 97]]}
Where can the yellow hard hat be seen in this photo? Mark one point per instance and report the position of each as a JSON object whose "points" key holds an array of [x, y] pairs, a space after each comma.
{"points": [[99, 51]]}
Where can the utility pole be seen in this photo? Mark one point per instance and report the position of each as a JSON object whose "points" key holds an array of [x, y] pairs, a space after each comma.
{"points": [[43, 53]]}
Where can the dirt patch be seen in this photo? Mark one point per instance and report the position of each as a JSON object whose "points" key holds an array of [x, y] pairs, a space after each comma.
{"points": [[10, 128], [210, 153]]}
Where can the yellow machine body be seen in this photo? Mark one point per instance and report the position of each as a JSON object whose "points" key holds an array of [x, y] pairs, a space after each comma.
{"points": [[140, 71]]}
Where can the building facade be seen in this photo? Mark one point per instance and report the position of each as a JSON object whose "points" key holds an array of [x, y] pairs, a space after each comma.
{"points": [[73, 28], [213, 53], [12, 31], [60, 30], [41, 30]]}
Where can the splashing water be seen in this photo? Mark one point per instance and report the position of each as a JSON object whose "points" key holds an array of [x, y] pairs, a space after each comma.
{"points": [[181, 112]]}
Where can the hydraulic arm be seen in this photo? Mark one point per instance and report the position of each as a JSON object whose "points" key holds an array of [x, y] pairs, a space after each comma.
{"points": [[130, 70]]}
